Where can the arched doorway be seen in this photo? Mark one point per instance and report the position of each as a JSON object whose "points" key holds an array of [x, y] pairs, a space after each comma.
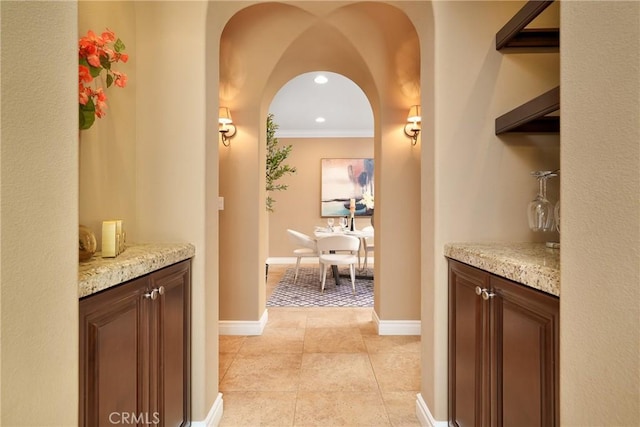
{"points": [[345, 130], [256, 58], [322, 116]]}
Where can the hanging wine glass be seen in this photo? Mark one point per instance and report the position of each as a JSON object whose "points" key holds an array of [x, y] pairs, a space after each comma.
{"points": [[540, 210], [556, 213]]}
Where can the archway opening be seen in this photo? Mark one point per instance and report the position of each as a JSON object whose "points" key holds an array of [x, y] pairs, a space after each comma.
{"points": [[326, 119], [256, 59]]}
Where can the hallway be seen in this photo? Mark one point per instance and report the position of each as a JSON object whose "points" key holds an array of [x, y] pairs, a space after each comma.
{"points": [[319, 367]]}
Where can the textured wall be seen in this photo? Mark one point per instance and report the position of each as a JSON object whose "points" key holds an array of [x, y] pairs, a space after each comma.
{"points": [[600, 299], [39, 214]]}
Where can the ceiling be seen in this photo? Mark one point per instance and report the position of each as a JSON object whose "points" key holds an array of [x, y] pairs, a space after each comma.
{"points": [[342, 104]]}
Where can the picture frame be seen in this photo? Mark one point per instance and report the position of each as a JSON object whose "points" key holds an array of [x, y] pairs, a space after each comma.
{"points": [[343, 179]]}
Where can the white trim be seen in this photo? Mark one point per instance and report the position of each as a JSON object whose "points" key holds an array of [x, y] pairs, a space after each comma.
{"points": [[292, 260], [304, 260], [243, 327], [424, 414], [396, 327], [324, 133], [214, 416]]}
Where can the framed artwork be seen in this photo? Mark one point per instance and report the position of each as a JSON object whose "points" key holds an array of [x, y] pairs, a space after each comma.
{"points": [[343, 180]]}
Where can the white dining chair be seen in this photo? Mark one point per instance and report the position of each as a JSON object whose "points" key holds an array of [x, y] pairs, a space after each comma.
{"points": [[305, 247], [338, 250], [367, 246]]}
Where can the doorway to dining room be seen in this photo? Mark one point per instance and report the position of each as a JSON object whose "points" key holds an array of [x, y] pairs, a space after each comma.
{"points": [[264, 46], [327, 120]]}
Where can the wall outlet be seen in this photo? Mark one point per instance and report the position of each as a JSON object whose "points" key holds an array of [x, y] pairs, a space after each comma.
{"points": [[220, 203]]}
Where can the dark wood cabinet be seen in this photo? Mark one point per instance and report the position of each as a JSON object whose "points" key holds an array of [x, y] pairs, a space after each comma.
{"points": [[135, 351], [503, 351], [171, 329]]}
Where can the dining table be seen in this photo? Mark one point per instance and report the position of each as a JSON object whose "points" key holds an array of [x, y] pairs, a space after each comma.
{"points": [[320, 232]]}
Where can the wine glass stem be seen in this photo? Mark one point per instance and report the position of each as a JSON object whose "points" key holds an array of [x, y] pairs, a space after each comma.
{"points": [[543, 187]]}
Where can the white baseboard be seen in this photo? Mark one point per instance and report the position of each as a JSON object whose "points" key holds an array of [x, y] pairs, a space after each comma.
{"points": [[424, 414], [213, 417], [291, 260], [305, 260], [396, 327], [243, 327]]}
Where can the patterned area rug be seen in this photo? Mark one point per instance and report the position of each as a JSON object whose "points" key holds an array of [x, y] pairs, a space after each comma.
{"points": [[306, 291]]}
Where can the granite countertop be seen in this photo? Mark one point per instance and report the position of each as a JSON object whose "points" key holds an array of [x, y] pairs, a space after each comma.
{"points": [[137, 260], [532, 264]]}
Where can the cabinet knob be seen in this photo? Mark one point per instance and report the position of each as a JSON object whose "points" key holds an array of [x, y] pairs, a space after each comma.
{"points": [[478, 290], [487, 294], [153, 294]]}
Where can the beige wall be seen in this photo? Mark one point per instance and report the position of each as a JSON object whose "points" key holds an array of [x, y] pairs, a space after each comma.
{"points": [[174, 191], [145, 162], [257, 58], [463, 165], [108, 148], [298, 207], [477, 184], [600, 300], [39, 214]]}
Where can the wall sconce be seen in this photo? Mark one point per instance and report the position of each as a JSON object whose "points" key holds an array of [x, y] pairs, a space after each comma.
{"points": [[412, 128], [225, 125]]}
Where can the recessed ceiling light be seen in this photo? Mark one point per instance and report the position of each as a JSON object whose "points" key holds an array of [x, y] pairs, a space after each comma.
{"points": [[320, 120], [321, 79]]}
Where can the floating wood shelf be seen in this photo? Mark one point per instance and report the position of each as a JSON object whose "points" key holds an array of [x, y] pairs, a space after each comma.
{"points": [[532, 117], [514, 37]]}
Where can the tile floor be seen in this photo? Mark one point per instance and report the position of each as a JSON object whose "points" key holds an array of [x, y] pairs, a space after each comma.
{"points": [[319, 367]]}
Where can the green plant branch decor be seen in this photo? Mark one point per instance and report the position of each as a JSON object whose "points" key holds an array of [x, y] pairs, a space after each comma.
{"points": [[275, 156]]}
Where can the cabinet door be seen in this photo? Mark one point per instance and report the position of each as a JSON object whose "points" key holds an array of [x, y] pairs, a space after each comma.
{"points": [[468, 341], [525, 334], [171, 343], [114, 351]]}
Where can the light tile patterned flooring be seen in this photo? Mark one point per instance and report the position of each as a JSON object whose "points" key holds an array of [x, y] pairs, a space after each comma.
{"points": [[319, 367]]}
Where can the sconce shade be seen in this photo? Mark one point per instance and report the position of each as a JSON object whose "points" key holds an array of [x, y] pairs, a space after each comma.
{"points": [[412, 128], [224, 116], [225, 125], [415, 115]]}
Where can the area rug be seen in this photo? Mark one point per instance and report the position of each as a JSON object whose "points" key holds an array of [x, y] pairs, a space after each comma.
{"points": [[306, 291]]}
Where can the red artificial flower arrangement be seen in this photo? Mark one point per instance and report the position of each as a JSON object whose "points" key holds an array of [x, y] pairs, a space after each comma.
{"points": [[97, 53]]}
